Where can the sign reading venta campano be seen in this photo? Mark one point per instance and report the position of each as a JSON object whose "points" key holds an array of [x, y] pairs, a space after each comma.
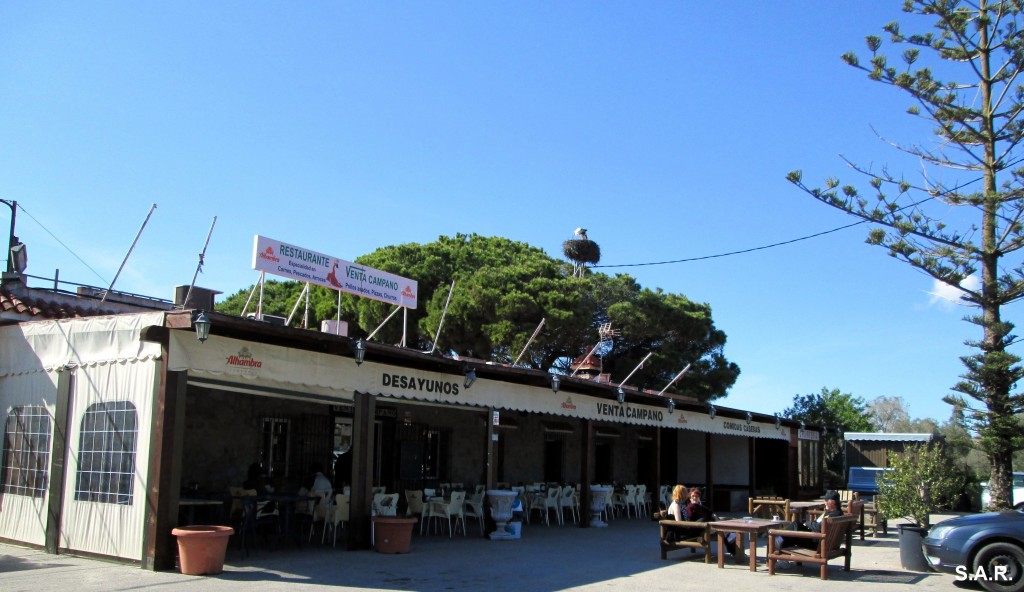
{"points": [[304, 265]]}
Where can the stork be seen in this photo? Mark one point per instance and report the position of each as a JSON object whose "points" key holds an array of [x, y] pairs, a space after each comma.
{"points": [[581, 232]]}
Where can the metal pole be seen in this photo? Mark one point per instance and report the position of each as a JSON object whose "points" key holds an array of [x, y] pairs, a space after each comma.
{"points": [[638, 366], [119, 269], [532, 337], [200, 266], [10, 237]]}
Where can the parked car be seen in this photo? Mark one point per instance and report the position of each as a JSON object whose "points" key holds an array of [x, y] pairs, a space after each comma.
{"points": [[1018, 491], [984, 548]]}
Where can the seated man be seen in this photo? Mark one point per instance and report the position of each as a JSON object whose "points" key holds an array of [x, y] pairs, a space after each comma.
{"points": [[832, 510]]}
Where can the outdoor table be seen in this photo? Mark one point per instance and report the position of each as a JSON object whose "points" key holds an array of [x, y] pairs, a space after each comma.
{"points": [[190, 504], [751, 528], [286, 507], [798, 510]]}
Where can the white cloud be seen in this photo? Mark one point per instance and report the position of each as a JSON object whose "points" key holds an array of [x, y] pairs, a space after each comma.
{"points": [[948, 297]]}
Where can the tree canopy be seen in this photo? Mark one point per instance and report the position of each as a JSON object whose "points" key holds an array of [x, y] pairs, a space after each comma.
{"points": [[963, 215], [837, 412], [503, 289]]}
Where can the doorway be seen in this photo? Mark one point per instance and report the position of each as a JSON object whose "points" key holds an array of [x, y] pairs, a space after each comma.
{"points": [[553, 454]]}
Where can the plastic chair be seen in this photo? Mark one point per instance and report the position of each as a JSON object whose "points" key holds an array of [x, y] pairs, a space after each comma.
{"points": [[339, 516], [546, 503], [385, 504], [321, 512], [414, 505], [567, 500], [454, 507], [626, 499], [474, 508]]}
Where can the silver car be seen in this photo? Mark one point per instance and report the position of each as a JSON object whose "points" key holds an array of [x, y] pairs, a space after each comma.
{"points": [[984, 548]]}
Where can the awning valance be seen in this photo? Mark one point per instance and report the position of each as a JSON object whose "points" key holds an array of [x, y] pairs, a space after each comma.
{"points": [[268, 366]]}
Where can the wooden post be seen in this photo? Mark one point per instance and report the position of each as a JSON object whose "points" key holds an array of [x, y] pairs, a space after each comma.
{"points": [[362, 472], [586, 470], [165, 459], [58, 460]]}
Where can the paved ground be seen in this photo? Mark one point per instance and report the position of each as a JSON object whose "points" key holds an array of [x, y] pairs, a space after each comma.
{"points": [[623, 556]]}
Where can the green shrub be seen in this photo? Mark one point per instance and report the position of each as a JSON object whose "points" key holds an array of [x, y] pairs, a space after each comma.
{"points": [[922, 481]]}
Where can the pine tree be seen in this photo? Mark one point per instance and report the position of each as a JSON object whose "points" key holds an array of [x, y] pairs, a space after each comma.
{"points": [[978, 119]]}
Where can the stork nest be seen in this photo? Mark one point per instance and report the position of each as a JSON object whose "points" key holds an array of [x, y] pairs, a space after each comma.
{"points": [[582, 251]]}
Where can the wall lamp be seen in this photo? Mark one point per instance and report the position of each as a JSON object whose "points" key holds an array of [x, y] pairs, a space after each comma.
{"points": [[671, 406], [620, 395], [470, 377], [778, 421], [556, 383], [712, 411], [750, 417], [360, 351], [803, 426], [202, 325]]}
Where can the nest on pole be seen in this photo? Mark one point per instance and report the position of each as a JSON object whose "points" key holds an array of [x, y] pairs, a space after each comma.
{"points": [[582, 251]]}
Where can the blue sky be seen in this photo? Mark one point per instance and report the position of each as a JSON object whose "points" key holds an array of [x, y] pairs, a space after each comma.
{"points": [[665, 128]]}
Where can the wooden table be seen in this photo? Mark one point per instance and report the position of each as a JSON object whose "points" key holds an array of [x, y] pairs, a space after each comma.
{"points": [[751, 528], [798, 510]]}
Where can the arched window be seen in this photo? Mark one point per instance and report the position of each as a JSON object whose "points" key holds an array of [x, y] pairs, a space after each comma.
{"points": [[106, 457], [26, 460]]}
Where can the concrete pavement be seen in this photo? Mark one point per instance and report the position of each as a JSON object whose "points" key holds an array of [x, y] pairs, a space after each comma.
{"points": [[624, 556]]}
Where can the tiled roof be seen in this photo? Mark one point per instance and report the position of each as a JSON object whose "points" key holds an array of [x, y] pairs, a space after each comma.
{"points": [[36, 309]]}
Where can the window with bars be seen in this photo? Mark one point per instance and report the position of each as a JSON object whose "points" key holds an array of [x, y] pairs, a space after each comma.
{"points": [[106, 461], [26, 457]]}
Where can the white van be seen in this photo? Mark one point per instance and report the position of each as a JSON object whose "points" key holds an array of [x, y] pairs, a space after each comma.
{"points": [[1018, 491]]}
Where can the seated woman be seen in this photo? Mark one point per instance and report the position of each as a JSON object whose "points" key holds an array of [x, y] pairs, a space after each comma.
{"points": [[677, 509], [698, 511]]}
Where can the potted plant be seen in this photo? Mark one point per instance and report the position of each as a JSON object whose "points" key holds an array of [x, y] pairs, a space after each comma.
{"points": [[920, 481]]}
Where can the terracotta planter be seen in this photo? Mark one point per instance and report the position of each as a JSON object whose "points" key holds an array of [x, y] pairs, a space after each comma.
{"points": [[201, 549], [392, 534]]}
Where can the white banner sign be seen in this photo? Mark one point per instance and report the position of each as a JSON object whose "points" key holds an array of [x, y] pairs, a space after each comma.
{"points": [[300, 264]]}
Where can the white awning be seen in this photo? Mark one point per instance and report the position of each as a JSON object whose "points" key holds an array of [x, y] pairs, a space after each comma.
{"points": [[269, 369], [40, 346]]}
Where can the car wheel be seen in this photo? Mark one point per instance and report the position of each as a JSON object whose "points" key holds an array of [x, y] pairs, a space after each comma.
{"points": [[1003, 564]]}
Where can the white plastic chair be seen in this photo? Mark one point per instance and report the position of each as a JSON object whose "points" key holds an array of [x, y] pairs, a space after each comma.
{"points": [[474, 508], [567, 501], [642, 499], [546, 503], [454, 507], [626, 499], [385, 504], [339, 516], [321, 512], [415, 506]]}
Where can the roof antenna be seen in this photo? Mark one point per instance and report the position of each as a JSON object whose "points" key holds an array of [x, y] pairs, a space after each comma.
{"points": [[443, 313], [200, 266], [532, 337], [119, 269]]}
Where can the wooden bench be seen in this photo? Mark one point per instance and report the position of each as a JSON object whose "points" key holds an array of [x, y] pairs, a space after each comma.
{"points": [[676, 535], [834, 540]]}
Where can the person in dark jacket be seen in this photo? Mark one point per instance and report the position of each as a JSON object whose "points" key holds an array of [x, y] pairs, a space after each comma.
{"points": [[832, 510], [698, 511]]}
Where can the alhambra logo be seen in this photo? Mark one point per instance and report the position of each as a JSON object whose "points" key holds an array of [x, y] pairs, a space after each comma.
{"points": [[568, 404], [682, 419], [407, 292], [269, 255], [244, 359]]}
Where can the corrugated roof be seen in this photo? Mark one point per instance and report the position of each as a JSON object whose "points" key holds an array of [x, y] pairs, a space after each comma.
{"points": [[887, 437]]}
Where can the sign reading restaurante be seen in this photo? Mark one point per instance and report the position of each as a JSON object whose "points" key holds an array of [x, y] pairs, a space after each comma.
{"points": [[283, 259]]}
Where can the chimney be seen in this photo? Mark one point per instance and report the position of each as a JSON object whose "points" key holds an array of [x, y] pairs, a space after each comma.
{"points": [[200, 299]]}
